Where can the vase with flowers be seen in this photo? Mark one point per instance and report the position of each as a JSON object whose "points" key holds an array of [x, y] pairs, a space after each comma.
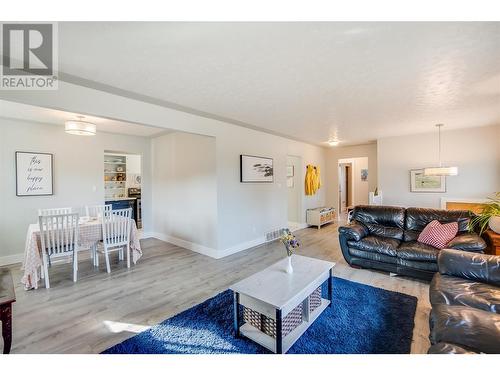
{"points": [[291, 243]]}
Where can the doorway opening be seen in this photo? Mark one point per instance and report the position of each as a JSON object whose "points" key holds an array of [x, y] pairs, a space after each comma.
{"points": [[123, 182], [345, 188], [353, 184], [293, 185]]}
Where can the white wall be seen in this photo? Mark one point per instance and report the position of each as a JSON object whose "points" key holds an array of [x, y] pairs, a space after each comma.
{"points": [[475, 151], [78, 168], [245, 211], [185, 190], [295, 192], [134, 165], [335, 154]]}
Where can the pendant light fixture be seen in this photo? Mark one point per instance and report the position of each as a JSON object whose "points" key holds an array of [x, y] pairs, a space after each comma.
{"points": [[79, 127], [440, 170]]}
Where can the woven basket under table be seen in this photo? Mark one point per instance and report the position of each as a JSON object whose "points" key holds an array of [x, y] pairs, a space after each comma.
{"points": [[294, 318]]}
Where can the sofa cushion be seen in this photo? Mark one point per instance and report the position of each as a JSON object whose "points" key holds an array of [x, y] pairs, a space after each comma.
{"points": [[414, 250], [410, 235], [385, 231], [382, 245], [418, 218], [417, 265], [483, 268], [467, 242], [437, 234], [450, 290], [465, 326], [370, 255], [387, 216], [354, 230]]}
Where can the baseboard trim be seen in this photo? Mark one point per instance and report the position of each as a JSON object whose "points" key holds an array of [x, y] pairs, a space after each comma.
{"points": [[242, 246], [11, 259], [208, 251], [301, 226]]}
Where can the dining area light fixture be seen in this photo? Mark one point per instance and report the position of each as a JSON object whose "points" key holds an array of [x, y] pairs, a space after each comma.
{"points": [[440, 170], [333, 142], [79, 127]]}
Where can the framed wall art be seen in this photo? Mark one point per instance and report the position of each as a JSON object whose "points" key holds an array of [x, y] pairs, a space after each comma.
{"points": [[34, 173], [426, 184], [256, 169]]}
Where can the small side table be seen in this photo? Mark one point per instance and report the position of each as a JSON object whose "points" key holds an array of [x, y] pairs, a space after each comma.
{"points": [[493, 241], [7, 298]]}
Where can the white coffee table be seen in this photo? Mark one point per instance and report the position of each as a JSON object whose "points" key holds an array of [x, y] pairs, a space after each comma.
{"points": [[274, 293]]}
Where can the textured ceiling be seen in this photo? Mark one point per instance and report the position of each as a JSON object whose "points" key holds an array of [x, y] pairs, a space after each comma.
{"points": [[312, 81]]}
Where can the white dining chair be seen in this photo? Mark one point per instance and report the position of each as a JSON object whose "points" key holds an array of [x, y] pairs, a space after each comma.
{"points": [[59, 239], [97, 210], [115, 235], [54, 211]]}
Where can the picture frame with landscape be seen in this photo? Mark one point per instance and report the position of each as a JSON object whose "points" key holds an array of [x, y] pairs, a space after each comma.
{"points": [[419, 183]]}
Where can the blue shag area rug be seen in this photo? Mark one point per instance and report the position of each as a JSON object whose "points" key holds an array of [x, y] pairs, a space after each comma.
{"points": [[363, 320]]}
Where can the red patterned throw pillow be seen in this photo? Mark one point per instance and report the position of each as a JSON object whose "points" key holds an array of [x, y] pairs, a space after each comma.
{"points": [[437, 234]]}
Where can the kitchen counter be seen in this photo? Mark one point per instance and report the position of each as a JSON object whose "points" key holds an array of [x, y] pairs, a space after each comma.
{"points": [[120, 199]]}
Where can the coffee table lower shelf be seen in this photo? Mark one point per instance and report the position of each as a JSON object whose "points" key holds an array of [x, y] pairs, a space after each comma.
{"points": [[269, 342]]}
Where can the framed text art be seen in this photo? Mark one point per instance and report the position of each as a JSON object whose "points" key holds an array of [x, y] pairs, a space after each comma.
{"points": [[256, 169], [419, 183], [34, 173]]}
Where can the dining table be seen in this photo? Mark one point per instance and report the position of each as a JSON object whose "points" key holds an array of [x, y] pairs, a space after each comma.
{"points": [[90, 234]]}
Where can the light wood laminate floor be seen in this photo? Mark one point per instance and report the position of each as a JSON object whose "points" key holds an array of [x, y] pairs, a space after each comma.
{"points": [[101, 310]]}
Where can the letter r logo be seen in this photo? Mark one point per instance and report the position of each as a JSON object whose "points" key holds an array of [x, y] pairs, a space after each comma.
{"points": [[27, 49]]}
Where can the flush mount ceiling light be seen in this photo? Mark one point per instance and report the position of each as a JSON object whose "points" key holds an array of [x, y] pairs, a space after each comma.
{"points": [[440, 170], [79, 127], [333, 142]]}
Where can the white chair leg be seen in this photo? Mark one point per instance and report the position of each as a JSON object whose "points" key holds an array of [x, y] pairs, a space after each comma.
{"points": [[106, 255], [128, 255], [93, 254], [45, 270], [75, 266]]}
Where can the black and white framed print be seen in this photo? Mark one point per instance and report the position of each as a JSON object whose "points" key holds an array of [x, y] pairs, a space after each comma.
{"points": [[34, 173], [256, 169]]}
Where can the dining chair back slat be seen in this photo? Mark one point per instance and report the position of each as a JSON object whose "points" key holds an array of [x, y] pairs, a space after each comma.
{"points": [[58, 238], [54, 211], [58, 233], [98, 210], [116, 227]]}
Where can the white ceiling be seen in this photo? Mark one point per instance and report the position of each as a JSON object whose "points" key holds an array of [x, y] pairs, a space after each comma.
{"points": [[51, 116], [312, 81]]}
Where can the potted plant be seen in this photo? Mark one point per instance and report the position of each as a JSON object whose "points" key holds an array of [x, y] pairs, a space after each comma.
{"points": [[291, 243], [489, 216]]}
